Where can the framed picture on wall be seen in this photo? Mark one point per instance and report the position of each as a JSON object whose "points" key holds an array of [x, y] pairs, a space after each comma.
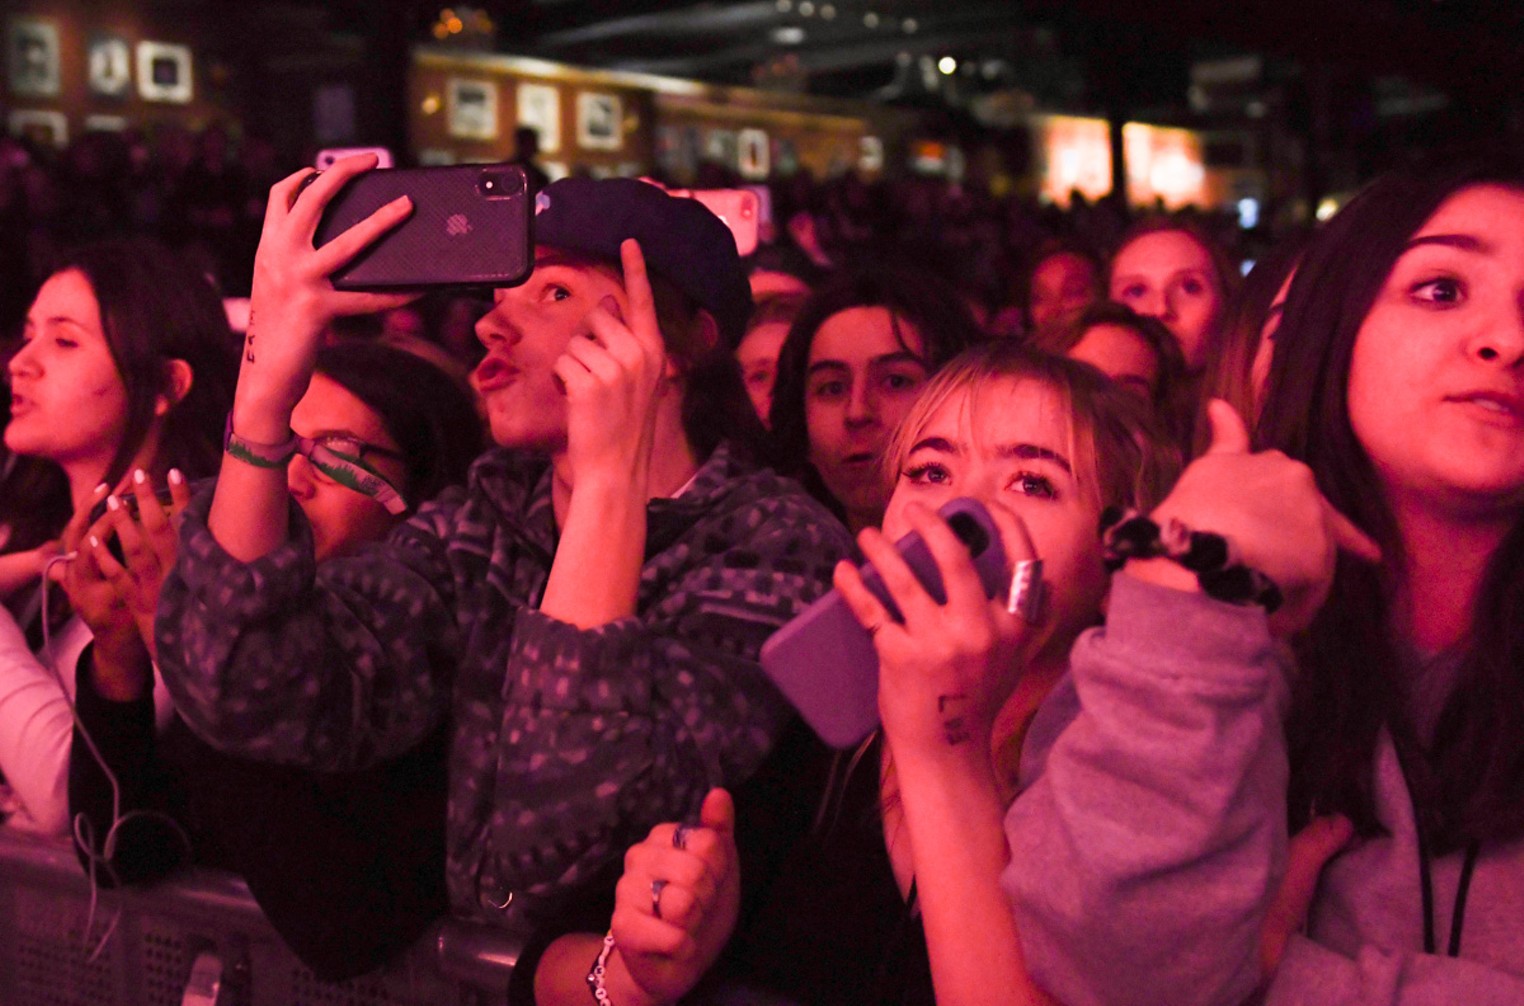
{"points": [[109, 61], [539, 108], [870, 154], [472, 108], [600, 121], [753, 155], [164, 72], [42, 127], [31, 52]]}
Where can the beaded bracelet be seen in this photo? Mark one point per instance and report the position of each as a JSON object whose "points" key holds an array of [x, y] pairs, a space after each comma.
{"points": [[599, 972], [1127, 534]]}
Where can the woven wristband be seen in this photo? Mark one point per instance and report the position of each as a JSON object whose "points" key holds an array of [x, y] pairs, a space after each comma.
{"points": [[256, 454]]}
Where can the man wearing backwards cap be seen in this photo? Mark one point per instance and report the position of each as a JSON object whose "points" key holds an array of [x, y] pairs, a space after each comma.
{"points": [[587, 614]]}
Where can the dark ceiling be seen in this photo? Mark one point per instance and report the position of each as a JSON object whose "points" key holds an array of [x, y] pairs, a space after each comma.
{"points": [[1070, 51]]}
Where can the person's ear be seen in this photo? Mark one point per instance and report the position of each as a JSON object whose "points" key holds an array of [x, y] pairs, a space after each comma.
{"points": [[178, 380], [705, 337]]}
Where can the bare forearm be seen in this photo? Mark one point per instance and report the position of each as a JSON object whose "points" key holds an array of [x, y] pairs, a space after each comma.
{"points": [[954, 816], [561, 978], [249, 515], [596, 572]]}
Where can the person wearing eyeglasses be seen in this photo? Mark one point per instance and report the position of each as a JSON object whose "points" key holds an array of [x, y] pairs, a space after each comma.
{"points": [[379, 432]]}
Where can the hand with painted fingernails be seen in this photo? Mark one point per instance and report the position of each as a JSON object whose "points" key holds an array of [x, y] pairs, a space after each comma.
{"points": [[1271, 511], [117, 597]]}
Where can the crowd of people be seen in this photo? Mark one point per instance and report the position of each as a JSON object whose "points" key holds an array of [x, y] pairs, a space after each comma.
{"points": [[475, 626]]}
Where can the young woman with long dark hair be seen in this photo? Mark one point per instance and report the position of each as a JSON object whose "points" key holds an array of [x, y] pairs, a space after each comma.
{"points": [[1145, 860], [127, 367]]}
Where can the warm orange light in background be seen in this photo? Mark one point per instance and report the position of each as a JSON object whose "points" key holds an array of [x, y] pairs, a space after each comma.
{"points": [[1072, 154], [1163, 163]]}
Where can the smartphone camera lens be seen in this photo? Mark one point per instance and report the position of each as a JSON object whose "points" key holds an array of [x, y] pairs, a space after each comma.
{"points": [[500, 183]]}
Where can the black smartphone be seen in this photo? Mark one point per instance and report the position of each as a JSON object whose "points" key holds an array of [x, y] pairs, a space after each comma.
{"points": [[824, 661], [470, 227], [130, 502]]}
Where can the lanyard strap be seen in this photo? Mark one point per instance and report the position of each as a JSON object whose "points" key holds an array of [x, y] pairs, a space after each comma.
{"points": [[1425, 880], [1458, 911]]}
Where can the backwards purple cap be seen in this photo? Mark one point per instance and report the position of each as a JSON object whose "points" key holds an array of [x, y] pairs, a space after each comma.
{"points": [[683, 242]]}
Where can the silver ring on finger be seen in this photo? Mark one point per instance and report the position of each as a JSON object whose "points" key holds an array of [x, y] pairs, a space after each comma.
{"points": [[680, 836], [657, 886], [1025, 597]]}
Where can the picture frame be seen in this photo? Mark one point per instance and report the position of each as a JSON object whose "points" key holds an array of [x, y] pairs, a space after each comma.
{"points": [[42, 126], [753, 155], [471, 108], [538, 106], [164, 72], [31, 54], [870, 154], [108, 60], [600, 121]]}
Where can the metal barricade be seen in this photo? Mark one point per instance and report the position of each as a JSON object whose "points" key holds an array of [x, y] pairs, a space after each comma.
{"points": [[200, 940]]}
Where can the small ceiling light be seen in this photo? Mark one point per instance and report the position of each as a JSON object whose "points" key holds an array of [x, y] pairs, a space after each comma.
{"points": [[784, 6], [947, 65], [870, 20], [806, 8], [788, 35], [828, 12], [910, 25]]}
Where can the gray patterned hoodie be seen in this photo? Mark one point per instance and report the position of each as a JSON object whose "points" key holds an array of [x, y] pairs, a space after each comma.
{"points": [[568, 744]]}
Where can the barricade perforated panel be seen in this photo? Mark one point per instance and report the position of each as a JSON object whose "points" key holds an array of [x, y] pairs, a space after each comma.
{"points": [[45, 952]]}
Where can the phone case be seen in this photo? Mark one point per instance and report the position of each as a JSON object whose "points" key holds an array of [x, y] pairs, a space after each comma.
{"points": [[469, 228], [130, 502], [824, 661]]}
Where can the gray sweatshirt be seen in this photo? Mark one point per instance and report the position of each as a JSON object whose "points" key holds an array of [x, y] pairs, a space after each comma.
{"points": [[1150, 837]]}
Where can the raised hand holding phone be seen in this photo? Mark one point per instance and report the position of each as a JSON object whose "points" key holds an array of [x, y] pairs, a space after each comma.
{"points": [[826, 661], [292, 303], [293, 300], [948, 664]]}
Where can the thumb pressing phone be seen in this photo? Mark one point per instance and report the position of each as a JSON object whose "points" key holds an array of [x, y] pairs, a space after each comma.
{"points": [[824, 661]]}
